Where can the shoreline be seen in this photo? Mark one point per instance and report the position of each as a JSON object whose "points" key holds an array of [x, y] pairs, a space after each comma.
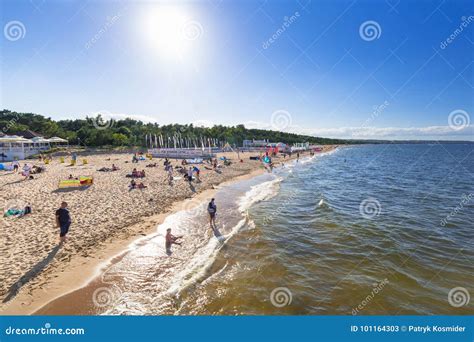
{"points": [[84, 271]]}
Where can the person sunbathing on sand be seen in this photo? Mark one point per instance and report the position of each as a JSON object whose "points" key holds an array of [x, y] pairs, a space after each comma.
{"points": [[114, 168], [133, 184], [171, 240]]}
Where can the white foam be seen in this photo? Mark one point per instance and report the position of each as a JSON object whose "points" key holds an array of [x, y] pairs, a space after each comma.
{"points": [[203, 259], [258, 193]]}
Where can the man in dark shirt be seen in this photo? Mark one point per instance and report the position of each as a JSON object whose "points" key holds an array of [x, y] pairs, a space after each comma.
{"points": [[212, 210], [63, 221]]}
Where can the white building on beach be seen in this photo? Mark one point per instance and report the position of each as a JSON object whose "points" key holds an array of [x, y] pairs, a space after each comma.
{"points": [[14, 147]]}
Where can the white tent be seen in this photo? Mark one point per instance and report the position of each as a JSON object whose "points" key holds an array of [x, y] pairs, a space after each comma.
{"points": [[57, 140]]}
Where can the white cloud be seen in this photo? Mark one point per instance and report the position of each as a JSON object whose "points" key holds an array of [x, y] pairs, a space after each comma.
{"points": [[388, 133]]}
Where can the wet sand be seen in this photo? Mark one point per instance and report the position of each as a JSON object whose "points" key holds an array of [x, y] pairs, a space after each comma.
{"points": [[107, 217]]}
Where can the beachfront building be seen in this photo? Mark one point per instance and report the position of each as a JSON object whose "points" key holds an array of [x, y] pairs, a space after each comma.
{"points": [[58, 142], [255, 143], [300, 147], [14, 147]]}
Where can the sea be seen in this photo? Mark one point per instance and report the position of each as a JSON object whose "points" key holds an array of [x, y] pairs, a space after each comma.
{"points": [[384, 229]]}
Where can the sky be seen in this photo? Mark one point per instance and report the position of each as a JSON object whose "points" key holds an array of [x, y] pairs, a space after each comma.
{"points": [[363, 69]]}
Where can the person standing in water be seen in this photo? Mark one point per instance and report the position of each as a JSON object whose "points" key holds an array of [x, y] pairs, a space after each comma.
{"points": [[171, 240], [212, 210]]}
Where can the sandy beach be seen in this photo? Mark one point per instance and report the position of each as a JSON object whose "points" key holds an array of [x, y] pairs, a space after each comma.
{"points": [[106, 218]]}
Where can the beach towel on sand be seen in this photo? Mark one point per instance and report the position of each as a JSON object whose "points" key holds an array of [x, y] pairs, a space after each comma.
{"points": [[74, 183]]}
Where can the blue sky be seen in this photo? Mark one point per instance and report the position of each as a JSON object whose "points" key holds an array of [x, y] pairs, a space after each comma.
{"points": [[302, 66]]}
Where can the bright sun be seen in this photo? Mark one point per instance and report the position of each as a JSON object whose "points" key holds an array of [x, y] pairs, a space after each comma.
{"points": [[170, 30]]}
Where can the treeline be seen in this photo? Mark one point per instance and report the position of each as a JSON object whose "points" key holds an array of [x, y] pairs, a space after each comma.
{"points": [[129, 132]]}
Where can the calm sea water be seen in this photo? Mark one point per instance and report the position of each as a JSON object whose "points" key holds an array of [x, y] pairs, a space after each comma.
{"points": [[382, 229]]}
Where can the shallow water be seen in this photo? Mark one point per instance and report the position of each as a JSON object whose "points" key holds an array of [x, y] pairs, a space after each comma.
{"points": [[382, 229]]}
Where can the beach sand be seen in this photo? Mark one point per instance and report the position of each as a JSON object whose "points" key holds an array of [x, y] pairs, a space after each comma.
{"points": [[106, 218]]}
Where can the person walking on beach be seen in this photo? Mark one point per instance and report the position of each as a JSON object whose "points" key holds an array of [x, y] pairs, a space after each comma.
{"points": [[197, 171], [171, 240], [63, 221], [212, 210], [16, 165], [169, 169], [190, 174]]}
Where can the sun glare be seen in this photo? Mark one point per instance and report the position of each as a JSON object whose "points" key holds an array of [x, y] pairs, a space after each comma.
{"points": [[170, 31]]}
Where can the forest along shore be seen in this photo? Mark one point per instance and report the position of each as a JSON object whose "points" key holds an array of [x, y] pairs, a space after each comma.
{"points": [[106, 216]]}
